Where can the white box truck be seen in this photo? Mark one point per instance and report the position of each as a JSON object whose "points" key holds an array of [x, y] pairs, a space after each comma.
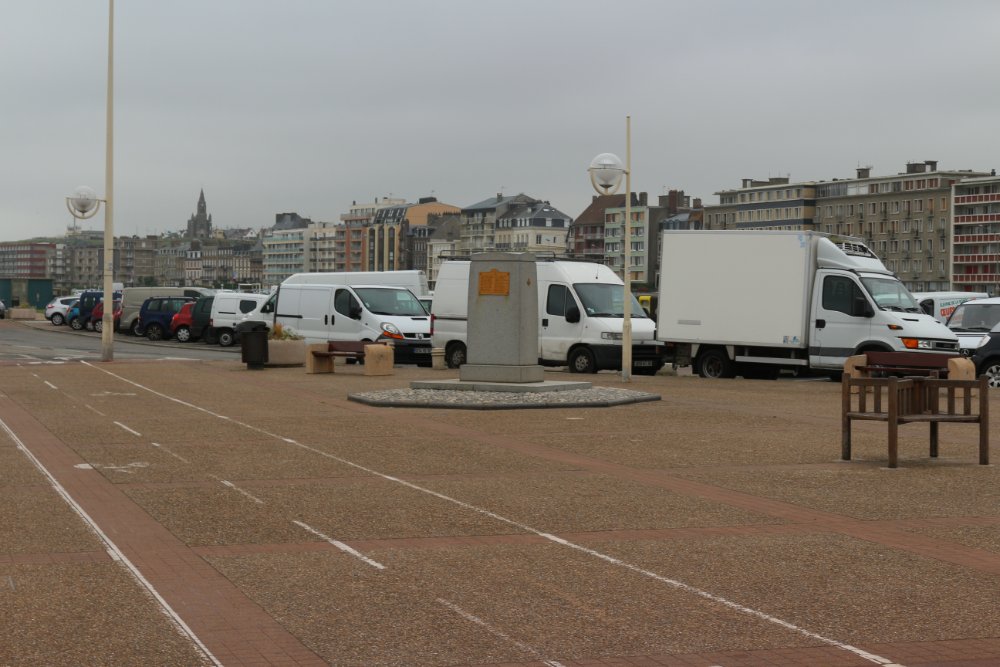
{"points": [[751, 303], [358, 306], [580, 317]]}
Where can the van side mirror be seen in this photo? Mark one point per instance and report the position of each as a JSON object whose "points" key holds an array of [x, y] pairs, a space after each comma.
{"points": [[267, 308], [572, 314]]}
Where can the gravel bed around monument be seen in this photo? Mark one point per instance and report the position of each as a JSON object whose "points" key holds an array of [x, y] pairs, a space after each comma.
{"points": [[595, 397]]}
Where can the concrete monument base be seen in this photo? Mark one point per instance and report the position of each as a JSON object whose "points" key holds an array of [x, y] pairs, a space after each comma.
{"points": [[501, 373]]}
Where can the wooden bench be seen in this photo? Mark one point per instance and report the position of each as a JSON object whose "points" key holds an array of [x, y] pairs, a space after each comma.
{"points": [[377, 356], [914, 399], [931, 364]]}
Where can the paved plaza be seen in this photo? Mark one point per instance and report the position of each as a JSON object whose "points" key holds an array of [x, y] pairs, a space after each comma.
{"points": [[199, 513]]}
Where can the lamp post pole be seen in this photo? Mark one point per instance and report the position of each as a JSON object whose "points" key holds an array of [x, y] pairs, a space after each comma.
{"points": [[606, 171], [627, 258], [108, 323]]}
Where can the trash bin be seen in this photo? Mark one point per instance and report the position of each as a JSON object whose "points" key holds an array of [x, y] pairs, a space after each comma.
{"points": [[253, 343]]}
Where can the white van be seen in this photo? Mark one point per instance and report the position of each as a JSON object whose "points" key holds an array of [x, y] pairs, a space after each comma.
{"points": [[228, 310], [415, 281], [355, 312], [580, 317], [940, 305]]}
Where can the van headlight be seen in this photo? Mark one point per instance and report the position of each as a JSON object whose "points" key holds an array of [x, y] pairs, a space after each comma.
{"points": [[611, 335], [390, 330], [917, 344]]}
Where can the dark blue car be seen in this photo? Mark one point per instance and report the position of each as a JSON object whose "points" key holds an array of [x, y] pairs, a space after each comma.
{"points": [[88, 300]]}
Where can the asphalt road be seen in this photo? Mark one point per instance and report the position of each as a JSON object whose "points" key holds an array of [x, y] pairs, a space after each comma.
{"points": [[40, 341]]}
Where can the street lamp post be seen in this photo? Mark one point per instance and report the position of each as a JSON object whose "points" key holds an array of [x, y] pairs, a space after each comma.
{"points": [[606, 171], [84, 204]]}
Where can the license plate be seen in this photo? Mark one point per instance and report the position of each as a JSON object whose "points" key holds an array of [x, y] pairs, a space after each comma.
{"points": [[644, 362], [421, 350]]}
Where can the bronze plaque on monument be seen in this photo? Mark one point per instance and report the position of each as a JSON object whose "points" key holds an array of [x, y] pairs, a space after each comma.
{"points": [[494, 283]]}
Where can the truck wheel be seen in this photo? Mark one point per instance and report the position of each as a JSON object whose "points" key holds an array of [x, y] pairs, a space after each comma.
{"points": [[226, 337], [454, 356], [991, 369], [715, 364], [581, 360]]}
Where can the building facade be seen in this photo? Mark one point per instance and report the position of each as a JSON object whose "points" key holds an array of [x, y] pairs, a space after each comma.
{"points": [[975, 264], [772, 204]]}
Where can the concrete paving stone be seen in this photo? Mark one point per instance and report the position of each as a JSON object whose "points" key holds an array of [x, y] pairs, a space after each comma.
{"points": [[375, 508], [977, 537], [593, 503], [17, 469], [563, 605], [84, 614], [433, 455], [217, 515], [916, 489], [35, 519], [845, 589]]}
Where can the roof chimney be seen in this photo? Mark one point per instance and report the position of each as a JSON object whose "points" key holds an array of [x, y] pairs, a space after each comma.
{"points": [[915, 167], [931, 165], [864, 172]]}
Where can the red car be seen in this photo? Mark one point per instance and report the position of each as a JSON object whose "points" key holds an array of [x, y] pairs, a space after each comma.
{"points": [[97, 315], [180, 324]]}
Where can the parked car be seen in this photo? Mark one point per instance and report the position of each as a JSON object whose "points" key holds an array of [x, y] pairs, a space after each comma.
{"points": [[3, 309], [55, 310], [73, 312], [157, 312], [971, 319], [229, 309], [201, 320], [180, 324], [88, 299], [97, 316], [987, 358]]}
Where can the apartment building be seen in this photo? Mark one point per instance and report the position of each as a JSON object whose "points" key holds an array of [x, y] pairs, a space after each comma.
{"points": [[905, 218], [536, 227], [975, 264], [757, 204], [479, 220], [389, 244]]}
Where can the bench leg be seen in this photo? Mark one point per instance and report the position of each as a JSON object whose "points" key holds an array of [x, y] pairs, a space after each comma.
{"points": [[893, 442], [984, 422], [845, 440], [934, 439]]}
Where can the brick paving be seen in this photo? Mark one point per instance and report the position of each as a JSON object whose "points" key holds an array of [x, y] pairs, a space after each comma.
{"points": [[253, 589]]}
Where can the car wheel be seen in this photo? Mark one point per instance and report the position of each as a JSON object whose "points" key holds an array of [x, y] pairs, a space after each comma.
{"points": [[183, 334], [135, 329], [455, 355], [154, 332], [715, 364], [75, 324], [991, 369], [99, 326], [581, 360], [58, 319], [227, 338]]}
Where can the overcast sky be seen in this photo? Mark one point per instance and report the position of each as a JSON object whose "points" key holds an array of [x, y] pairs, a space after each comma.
{"points": [[308, 105]]}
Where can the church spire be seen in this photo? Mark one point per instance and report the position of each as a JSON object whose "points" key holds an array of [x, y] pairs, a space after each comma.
{"points": [[201, 202]]}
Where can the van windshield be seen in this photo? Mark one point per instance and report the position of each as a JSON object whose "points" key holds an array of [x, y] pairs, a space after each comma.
{"points": [[606, 300], [390, 301], [890, 294], [971, 316]]}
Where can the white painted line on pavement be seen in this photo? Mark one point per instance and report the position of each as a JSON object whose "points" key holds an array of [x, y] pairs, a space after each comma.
{"points": [[861, 653], [135, 433], [340, 545], [51, 386], [176, 456], [241, 491], [113, 550], [499, 633], [91, 407]]}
